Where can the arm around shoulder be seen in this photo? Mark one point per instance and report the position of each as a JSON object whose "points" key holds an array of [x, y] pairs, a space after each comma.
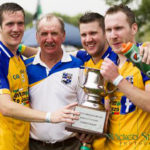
{"points": [[27, 51]]}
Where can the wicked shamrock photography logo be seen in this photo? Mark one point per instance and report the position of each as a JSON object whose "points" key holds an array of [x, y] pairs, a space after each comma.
{"points": [[127, 139]]}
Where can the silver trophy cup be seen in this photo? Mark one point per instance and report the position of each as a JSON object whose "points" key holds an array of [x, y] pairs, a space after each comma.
{"points": [[93, 117], [95, 87]]}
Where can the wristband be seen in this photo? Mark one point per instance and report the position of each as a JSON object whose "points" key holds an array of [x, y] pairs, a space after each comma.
{"points": [[48, 117], [21, 48], [117, 80]]}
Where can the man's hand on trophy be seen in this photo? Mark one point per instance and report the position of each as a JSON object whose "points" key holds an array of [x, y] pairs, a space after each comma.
{"points": [[66, 114], [109, 70], [85, 138], [145, 52]]}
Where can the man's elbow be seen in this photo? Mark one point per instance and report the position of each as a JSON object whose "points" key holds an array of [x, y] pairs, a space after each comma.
{"points": [[5, 111], [147, 109], [6, 105]]}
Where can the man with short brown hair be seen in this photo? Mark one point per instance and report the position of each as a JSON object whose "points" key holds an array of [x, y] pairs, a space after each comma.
{"points": [[129, 121], [14, 95]]}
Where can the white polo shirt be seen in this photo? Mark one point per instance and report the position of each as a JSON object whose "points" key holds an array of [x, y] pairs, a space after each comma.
{"points": [[52, 89]]}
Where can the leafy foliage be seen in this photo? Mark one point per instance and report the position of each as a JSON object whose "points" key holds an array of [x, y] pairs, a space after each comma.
{"points": [[72, 20], [28, 18], [115, 2], [143, 18]]}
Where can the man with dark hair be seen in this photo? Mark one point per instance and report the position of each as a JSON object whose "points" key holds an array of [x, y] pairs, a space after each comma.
{"points": [[12, 8], [14, 95], [92, 32], [129, 121]]}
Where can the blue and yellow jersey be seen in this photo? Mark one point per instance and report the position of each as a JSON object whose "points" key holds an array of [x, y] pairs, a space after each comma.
{"points": [[129, 125], [14, 134], [88, 62]]}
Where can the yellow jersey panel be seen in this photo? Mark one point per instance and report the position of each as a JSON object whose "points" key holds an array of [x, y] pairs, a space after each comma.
{"points": [[91, 64], [98, 144], [14, 134], [129, 125]]}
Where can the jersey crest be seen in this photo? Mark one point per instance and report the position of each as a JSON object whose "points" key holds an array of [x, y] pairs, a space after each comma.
{"points": [[66, 78], [126, 106]]}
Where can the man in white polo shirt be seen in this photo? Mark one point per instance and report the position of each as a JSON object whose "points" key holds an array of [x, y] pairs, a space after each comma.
{"points": [[53, 81]]}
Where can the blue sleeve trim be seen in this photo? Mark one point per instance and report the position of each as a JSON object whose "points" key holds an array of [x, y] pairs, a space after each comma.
{"points": [[28, 61], [35, 73], [83, 55], [4, 63], [145, 78], [111, 55]]}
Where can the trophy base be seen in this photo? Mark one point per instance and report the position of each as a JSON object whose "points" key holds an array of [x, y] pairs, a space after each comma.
{"points": [[81, 130], [92, 121]]}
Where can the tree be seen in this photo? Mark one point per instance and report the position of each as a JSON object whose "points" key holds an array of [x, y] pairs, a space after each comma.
{"points": [[72, 20], [28, 18], [115, 2], [143, 19], [38, 12]]}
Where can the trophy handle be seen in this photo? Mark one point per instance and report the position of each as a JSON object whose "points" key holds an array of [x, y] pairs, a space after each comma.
{"points": [[81, 77], [106, 121], [109, 84]]}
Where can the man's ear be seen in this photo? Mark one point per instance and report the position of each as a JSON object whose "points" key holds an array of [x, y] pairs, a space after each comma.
{"points": [[0, 28], [37, 37], [64, 36], [134, 28]]}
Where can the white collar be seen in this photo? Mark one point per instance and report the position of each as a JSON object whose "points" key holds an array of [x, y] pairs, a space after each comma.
{"points": [[37, 60], [66, 57]]}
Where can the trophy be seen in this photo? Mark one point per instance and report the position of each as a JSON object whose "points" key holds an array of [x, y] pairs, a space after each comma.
{"points": [[93, 117]]}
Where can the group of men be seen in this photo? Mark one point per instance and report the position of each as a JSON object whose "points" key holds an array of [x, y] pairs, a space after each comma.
{"points": [[53, 82], [14, 94]]}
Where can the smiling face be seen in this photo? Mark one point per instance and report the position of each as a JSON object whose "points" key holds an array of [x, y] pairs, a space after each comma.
{"points": [[50, 36], [118, 30], [12, 29], [92, 37]]}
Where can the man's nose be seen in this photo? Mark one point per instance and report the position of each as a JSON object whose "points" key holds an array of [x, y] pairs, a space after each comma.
{"points": [[15, 27], [88, 38], [49, 37], [113, 34]]}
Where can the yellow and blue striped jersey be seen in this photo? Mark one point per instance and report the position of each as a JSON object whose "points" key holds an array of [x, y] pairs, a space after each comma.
{"points": [[14, 134], [129, 125], [88, 62]]}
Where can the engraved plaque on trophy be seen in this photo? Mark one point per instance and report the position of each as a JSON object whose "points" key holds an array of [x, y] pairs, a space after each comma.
{"points": [[93, 118]]}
